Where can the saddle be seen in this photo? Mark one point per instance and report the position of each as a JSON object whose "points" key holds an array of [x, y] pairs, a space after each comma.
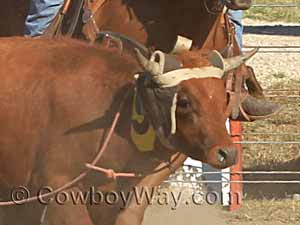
{"points": [[67, 21]]}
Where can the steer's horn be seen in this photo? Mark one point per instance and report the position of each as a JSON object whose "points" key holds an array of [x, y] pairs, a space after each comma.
{"points": [[182, 43], [234, 62], [152, 66], [227, 64]]}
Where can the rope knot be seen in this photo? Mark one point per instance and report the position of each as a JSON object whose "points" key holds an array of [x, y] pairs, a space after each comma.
{"points": [[110, 173]]}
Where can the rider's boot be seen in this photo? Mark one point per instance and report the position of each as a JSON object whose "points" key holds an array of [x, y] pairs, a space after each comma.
{"points": [[253, 105]]}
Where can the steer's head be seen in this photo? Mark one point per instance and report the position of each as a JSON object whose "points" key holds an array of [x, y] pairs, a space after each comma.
{"points": [[193, 103]]}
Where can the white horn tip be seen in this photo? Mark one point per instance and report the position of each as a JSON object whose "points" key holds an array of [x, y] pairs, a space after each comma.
{"points": [[252, 52]]}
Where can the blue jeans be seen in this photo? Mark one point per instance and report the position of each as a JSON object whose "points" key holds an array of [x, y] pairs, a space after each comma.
{"points": [[236, 17], [41, 14]]}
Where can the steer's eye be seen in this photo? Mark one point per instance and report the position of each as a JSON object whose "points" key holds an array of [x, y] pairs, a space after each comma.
{"points": [[183, 103]]}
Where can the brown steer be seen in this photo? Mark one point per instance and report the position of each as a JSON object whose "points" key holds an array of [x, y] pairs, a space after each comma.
{"points": [[58, 98]]}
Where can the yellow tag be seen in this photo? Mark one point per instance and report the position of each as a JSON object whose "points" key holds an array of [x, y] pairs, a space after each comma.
{"points": [[144, 140]]}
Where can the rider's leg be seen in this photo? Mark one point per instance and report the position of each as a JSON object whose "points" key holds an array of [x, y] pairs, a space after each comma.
{"points": [[255, 108], [236, 17], [41, 14]]}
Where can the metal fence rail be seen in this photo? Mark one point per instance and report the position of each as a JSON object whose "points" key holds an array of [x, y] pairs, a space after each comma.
{"points": [[274, 49], [242, 172], [269, 142], [271, 46], [236, 182]]}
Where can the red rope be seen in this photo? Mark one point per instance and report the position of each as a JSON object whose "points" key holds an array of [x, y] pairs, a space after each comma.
{"points": [[110, 173]]}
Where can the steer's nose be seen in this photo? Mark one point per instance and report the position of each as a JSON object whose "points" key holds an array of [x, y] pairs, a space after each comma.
{"points": [[227, 156]]}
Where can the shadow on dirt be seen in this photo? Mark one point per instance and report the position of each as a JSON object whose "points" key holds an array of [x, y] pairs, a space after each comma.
{"points": [[273, 30]]}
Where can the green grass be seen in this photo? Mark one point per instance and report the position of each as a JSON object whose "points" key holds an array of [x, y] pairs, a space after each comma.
{"points": [[283, 14]]}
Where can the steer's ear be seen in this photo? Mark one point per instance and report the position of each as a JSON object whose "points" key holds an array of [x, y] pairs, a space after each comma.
{"points": [[231, 63], [216, 59], [182, 44]]}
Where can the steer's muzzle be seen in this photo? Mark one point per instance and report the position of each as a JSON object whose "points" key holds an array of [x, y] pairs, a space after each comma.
{"points": [[222, 157]]}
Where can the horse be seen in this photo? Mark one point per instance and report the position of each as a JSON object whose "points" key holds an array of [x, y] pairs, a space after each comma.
{"points": [[154, 23]]}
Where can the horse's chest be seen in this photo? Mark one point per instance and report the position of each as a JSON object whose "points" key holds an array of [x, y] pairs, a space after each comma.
{"points": [[149, 24]]}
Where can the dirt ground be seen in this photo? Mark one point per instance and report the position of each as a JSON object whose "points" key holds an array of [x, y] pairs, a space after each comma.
{"points": [[198, 215], [185, 215]]}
